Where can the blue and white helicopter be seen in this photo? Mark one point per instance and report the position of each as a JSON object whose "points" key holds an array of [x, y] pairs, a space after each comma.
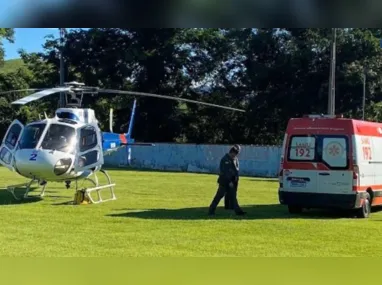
{"points": [[69, 147]]}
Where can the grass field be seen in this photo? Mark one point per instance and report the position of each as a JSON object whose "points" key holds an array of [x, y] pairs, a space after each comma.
{"points": [[11, 65], [165, 214]]}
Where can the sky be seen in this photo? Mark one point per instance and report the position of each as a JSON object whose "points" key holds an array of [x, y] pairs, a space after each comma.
{"points": [[29, 39]]}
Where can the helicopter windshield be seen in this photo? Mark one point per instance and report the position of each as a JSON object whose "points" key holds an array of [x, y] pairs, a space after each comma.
{"points": [[31, 136], [59, 137]]}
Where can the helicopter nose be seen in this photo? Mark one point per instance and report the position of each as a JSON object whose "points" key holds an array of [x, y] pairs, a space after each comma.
{"points": [[35, 163]]}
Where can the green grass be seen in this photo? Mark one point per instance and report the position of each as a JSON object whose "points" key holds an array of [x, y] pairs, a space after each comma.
{"points": [[164, 214]]}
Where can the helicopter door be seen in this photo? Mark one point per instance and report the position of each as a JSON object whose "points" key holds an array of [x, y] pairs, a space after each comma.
{"points": [[9, 144], [89, 149]]}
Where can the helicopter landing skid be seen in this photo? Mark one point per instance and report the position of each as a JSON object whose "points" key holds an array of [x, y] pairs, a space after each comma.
{"points": [[86, 192], [11, 189]]}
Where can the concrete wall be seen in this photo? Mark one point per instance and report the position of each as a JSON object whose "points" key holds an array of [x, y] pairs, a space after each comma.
{"points": [[261, 161]]}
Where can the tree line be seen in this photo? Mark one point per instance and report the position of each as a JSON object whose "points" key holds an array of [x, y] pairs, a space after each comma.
{"points": [[274, 74]]}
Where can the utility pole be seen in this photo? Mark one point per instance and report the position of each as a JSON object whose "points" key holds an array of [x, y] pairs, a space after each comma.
{"points": [[364, 93], [332, 75], [62, 95]]}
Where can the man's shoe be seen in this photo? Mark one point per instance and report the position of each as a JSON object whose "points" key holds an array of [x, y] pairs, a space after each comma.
{"points": [[242, 213]]}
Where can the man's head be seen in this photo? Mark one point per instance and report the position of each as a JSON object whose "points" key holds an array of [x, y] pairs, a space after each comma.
{"points": [[234, 151]]}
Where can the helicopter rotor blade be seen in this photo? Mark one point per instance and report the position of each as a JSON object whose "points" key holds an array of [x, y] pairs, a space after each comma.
{"points": [[167, 97], [18, 90], [39, 95], [47, 92]]}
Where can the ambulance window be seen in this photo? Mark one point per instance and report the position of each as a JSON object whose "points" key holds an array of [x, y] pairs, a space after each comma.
{"points": [[334, 152], [302, 148]]}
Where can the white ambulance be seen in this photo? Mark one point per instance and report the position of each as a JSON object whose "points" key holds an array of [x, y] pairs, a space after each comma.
{"points": [[331, 162]]}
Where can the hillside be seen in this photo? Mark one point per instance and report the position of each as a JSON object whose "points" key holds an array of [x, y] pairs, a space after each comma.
{"points": [[11, 65]]}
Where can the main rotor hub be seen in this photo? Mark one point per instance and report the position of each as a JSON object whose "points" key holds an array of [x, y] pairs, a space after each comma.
{"points": [[74, 97]]}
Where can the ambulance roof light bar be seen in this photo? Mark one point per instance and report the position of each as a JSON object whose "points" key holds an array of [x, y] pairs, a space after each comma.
{"points": [[324, 116]]}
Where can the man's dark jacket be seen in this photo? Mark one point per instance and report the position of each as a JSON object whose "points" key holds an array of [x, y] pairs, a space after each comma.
{"points": [[229, 171]]}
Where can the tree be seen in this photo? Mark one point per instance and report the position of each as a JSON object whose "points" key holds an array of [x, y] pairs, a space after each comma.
{"points": [[8, 34], [25, 114], [274, 74]]}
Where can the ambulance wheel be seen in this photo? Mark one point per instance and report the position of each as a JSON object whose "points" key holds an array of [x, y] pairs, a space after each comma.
{"points": [[294, 209], [365, 210]]}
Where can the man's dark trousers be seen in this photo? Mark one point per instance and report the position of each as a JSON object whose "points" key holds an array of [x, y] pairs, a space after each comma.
{"points": [[228, 205], [230, 193]]}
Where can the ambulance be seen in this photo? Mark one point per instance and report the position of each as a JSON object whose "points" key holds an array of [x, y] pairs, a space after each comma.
{"points": [[331, 162]]}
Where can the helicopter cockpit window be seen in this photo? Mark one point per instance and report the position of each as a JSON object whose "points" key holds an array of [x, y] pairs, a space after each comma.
{"points": [[13, 135], [88, 138], [31, 136], [60, 138]]}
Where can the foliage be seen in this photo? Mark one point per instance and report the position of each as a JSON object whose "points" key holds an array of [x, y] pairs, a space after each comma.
{"points": [[274, 74], [8, 34], [14, 80]]}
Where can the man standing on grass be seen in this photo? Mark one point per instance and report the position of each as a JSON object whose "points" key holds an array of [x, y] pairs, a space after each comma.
{"points": [[228, 181], [228, 205]]}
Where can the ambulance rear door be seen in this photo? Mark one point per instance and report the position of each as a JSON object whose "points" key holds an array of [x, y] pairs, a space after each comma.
{"points": [[300, 173]]}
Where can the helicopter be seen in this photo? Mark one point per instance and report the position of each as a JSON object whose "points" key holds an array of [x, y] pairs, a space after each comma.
{"points": [[69, 147]]}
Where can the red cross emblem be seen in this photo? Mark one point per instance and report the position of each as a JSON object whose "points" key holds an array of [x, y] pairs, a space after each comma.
{"points": [[334, 150]]}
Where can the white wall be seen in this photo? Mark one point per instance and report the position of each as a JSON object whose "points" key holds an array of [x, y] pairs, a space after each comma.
{"points": [[262, 161]]}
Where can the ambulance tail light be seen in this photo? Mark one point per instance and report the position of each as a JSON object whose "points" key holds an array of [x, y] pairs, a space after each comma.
{"points": [[355, 176], [355, 172], [281, 173]]}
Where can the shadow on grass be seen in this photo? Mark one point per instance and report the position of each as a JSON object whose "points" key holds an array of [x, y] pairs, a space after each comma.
{"points": [[254, 212], [66, 203], [6, 198]]}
